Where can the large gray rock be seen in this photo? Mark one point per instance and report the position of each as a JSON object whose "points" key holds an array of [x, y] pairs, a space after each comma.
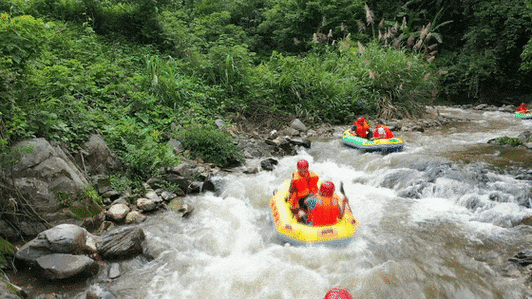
{"points": [[300, 141], [97, 292], [61, 266], [31, 153], [145, 204], [185, 169], [117, 212], [43, 171], [97, 158], [64, 238], [121, 243], [38, 193], [6, 231], [176, 145], [298, 125], [152, 195], [268, 164], [134, 217]]}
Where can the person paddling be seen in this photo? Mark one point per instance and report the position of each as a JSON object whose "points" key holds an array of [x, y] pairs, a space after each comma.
{"points": [[303, 184], [382, 132], [361, 128], [523, 108], [324, 209]]}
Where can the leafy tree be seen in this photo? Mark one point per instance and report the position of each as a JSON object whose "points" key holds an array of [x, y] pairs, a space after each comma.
{"points": [[289, 25], [527, 50], [23, 38], [489, 62]]}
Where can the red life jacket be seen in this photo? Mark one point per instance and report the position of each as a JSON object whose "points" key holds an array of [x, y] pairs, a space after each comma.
{"points": [[522, 108], [362, 129], [387, 132], [302, 186], [326, 212]]}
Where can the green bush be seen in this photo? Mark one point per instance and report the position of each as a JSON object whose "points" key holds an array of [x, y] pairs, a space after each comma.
{"points": [[508, 141], [121, 183], [134, 20], [23, 37], [210, 144], [83, 205], [337, 83], [148, 155]]}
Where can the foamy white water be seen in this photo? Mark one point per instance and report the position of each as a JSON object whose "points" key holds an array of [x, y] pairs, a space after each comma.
{"points": [[432, 225]]}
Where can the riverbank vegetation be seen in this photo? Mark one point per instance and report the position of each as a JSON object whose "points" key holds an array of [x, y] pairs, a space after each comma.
{"points": [[140, 72]]}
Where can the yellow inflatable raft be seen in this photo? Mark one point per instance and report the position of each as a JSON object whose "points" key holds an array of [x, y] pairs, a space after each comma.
{"points": [[296, 233]]}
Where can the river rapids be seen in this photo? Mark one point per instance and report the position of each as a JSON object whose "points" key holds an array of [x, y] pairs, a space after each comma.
{"points": [[439, 219]]}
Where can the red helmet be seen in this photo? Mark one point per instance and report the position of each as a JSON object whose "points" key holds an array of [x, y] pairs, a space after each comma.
{"points": [[327, 188], [338, 294], [302, 163], [361, 119], [523, 104]]}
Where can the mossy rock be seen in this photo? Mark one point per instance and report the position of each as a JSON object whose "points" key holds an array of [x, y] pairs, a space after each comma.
{"points": [[507, 141]]}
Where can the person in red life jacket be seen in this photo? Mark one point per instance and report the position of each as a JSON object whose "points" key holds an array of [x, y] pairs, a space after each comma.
{"points": [[324, 209], [361, 128], [382, 132], [522, 108], [338, 294], [303, 183]]}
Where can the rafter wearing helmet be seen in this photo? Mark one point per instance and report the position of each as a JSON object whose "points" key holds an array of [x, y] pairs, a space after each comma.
{"points": [[324, 209], [361, 128], [304, 182]]}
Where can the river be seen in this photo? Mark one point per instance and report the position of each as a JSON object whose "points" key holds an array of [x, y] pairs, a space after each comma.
{"points": [[439, 219]]}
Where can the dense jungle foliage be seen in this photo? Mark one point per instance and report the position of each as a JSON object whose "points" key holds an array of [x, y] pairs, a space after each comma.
{"points": [[142, 71]]}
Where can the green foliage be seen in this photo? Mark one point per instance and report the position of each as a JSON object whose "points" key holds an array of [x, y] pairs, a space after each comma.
{"points": [[22, 38], [133, 19], [210, 144], [509, 141], [137, 71], [145, 154], [228, 67], [174, 92], [526, 56], [171, 187], [178, 31], [467, 72], [289, 25], [121, 183], [340, 83], [6, 248], [83, 205], [489, 62]]}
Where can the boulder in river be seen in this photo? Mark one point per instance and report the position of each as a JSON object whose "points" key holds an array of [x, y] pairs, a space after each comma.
{"points": [[62, 266]]}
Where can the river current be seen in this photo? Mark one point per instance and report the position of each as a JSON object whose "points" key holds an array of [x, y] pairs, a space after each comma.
{"points": [[439, 219]]}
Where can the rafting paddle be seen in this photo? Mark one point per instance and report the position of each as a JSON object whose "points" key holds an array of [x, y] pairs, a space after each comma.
{"points": [[346, 201]]}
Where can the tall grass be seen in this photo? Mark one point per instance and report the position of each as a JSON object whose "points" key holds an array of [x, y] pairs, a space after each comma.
{"points": [[344, 81]]}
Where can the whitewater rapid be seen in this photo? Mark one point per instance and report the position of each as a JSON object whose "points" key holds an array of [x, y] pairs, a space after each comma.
{"points": [[438, 220]]}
